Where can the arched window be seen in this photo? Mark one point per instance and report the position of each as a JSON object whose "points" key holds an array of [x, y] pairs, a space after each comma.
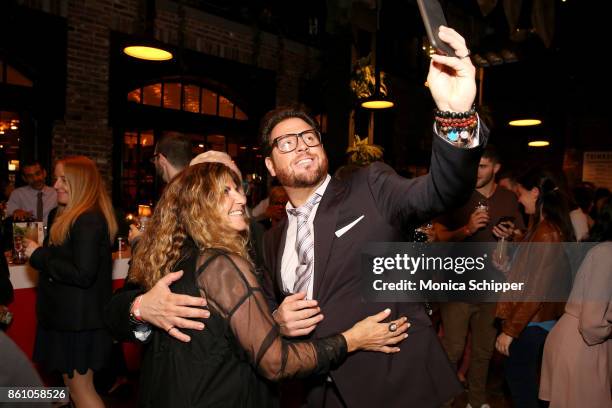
{"points": [[10, 75], [186, 97]]}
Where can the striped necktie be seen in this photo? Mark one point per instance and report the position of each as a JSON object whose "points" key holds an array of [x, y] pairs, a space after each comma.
{"points": [[304, 244]]}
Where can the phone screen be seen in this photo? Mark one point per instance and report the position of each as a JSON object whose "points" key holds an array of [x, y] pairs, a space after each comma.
{"points": [[433, 18]]}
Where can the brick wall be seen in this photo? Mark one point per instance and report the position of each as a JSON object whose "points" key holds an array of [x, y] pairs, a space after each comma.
{"points": [[226, 39], [85, 129]]}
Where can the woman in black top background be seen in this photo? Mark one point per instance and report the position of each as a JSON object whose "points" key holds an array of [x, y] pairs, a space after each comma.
{"points": [[200, 226], [75, 280]]}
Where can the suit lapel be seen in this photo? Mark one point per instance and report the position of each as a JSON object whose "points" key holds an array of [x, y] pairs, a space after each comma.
{"points": [[324, 226]]}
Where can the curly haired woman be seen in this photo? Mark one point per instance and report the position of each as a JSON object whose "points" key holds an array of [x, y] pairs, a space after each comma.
{"points": [[199, 226]]}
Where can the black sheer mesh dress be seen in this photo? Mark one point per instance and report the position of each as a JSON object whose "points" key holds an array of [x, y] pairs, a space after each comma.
{"points": [[233, 361]]}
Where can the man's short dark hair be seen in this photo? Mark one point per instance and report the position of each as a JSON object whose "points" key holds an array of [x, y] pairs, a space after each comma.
{"points": [[491, 153], [176, 149], [276, 116], [30, 163]]}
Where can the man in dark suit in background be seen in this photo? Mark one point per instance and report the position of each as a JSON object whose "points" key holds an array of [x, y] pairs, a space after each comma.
{"points": [[315, 255]]}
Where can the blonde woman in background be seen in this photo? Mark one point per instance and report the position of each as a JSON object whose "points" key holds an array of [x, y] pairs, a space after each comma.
{"points": [[75, 267]]}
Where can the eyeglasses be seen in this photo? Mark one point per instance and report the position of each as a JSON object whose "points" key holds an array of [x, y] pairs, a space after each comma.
{"points": [[289, 142], [153, 158]]}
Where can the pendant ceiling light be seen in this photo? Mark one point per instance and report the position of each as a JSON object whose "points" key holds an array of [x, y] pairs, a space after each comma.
{"points": [[538, 136], [377, 100], [538, 141], [149, 53], [145, 47], [525, 122]]}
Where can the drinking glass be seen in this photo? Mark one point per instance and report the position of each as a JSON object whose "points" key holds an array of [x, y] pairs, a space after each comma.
{"points": [[423, 233], [19, 256], [482, 205]]}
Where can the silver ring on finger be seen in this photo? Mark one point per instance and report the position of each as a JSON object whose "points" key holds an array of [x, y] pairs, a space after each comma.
{"points": [[392, 327], [170, 329]]}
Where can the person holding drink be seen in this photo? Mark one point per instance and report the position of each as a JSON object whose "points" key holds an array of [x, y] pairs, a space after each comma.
{"points": [[75, 266], [477, 221], [21, 230]]}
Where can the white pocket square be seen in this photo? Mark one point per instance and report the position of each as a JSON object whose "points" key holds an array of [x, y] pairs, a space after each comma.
{"points": [[344, 229]]}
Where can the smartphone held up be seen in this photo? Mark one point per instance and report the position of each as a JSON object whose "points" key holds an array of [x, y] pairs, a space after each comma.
{"points": [[433, 18]]}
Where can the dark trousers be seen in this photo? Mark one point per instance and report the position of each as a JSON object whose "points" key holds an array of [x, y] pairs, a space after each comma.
{"points": [[522, 368], [457, 318]]}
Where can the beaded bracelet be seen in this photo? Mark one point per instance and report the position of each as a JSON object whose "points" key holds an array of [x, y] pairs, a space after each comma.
{"points": [[455, 115], [457, 127]]}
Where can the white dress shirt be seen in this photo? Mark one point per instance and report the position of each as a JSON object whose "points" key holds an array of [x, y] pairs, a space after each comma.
{"points": [[26, 198], [290, 256]]}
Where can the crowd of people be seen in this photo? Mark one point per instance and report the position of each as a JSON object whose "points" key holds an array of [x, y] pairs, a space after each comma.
{"points": [[227, 301], [535, 209]]}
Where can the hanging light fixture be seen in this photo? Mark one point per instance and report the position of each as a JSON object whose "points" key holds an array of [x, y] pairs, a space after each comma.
{"points": [[145, 47], [525, 122], [377, 100], [538, 137], [538, 143], [538, 140], [147, 53]]}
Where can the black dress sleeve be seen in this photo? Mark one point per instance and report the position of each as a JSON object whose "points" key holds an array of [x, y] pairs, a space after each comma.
{"points": [[81, 267], [117, 312], [234, 292]]}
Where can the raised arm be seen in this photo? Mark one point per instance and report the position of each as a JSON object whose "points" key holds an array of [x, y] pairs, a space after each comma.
{"points": [[452, 174], [449, 183]]}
